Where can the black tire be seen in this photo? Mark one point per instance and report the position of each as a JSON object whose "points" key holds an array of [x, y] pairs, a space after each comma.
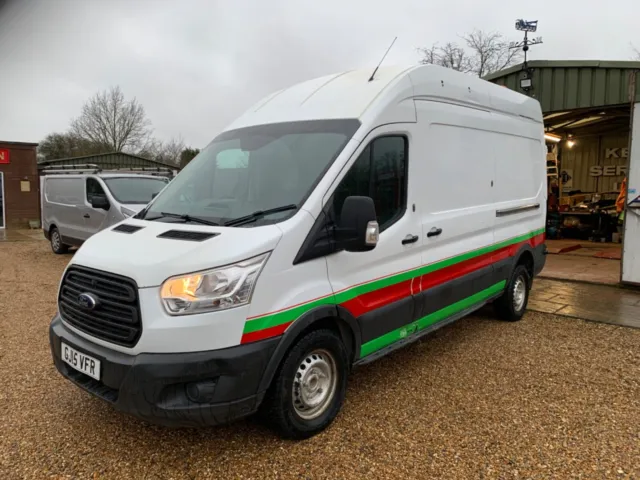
{"points": [[56, 242], [278, 409], [507, 307]]}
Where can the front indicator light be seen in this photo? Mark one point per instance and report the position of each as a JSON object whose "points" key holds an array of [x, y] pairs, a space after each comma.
{"points": [[211, 290]]}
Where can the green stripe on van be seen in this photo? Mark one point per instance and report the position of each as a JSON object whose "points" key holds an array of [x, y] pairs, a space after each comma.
{"points": [[293, 313], [435, 317], [285, 316]]}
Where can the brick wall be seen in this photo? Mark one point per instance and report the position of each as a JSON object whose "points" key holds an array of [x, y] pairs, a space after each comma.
{"points": [[20, 206]]}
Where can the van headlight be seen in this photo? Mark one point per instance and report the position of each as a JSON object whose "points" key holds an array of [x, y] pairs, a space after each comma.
{"points": [[211, 290]]}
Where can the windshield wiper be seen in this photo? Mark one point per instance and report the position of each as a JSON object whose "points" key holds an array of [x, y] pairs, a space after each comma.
{"points": [[185, 217], [252, 217]]}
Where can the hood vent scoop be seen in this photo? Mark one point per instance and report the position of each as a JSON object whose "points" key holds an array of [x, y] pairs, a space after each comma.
{"points": [[126, 228], [187, 235]]}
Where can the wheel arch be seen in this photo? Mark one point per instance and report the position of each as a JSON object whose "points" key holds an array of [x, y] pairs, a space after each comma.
{"points": [[334, 317], [525, 257]]}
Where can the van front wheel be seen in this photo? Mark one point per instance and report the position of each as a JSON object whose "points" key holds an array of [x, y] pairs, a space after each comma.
{"points": [[56, 242], [513, 303], [309, 388]]}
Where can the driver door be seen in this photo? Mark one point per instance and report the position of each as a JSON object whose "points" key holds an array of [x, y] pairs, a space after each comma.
{"points": [[94, 218], [377, 286]]}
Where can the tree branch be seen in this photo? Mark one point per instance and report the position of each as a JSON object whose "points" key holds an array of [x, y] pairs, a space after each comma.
{"points": [[483, 53]]}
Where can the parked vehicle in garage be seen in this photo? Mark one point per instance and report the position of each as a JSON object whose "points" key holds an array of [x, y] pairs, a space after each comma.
{"points": [[79, 201], [334, 222]]}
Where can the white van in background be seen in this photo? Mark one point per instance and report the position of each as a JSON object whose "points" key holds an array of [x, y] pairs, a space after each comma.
{"points": [[335, 221], [78, 203]]}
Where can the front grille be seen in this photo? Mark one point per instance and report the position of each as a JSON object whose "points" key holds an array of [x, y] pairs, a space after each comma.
{"points": [[116, 315]]}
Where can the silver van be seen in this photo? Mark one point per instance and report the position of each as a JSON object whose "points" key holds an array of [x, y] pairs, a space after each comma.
{"points": [[79, 202]]}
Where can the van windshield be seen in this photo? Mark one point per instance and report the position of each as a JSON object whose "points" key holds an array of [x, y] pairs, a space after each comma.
{"points": [[134, 190], [254, 169]]}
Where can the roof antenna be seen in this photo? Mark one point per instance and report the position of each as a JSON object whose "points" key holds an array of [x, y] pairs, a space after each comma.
{"points": [[382, 60]]}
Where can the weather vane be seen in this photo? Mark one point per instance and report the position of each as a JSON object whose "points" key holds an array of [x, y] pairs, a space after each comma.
{"points": [[526, 82], [526, 27]]}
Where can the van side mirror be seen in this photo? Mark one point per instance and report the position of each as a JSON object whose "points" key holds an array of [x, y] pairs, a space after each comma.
{"points": [[358, 230], [100, 201]]}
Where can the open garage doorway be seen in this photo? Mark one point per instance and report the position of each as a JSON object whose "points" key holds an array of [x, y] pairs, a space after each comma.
{"points": [[588, 153], [587, 108]]}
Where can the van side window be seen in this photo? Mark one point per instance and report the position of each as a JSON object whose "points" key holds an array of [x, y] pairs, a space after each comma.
{"points": [[93, 188], [67, 191], [380, 172]]}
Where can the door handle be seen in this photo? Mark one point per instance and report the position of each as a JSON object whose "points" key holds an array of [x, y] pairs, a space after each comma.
{"points": [[86, 215], [410, 239], [434, 232]]}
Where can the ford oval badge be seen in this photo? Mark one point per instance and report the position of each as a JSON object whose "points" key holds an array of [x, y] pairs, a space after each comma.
{"points": [[87, 301]]}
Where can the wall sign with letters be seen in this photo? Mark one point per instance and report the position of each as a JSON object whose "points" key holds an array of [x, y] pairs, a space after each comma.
{"points": [[607, 170], [4, 156], [616, 153]]}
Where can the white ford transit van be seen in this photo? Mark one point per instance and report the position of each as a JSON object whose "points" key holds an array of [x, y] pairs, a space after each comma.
{"points": [[335, 221]]}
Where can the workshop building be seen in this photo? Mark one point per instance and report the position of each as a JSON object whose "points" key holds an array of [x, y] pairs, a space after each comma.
{"points": [[591, 115]]}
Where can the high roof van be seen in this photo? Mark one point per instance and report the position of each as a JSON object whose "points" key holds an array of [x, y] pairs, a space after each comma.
{"points": [[335, 221]]}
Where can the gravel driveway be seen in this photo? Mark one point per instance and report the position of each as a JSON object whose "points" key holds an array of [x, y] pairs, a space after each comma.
{"points": [[547, 397]]}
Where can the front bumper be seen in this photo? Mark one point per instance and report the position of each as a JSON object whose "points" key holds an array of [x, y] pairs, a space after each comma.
{"points": [[159, 388]]}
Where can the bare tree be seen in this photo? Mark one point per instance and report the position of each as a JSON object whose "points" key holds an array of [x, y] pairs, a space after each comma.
{"points": [[108, 119], [168, 152], [65, 145], [450, 55], [490, 52], [636, 52], [483, 53], [187, 155]]}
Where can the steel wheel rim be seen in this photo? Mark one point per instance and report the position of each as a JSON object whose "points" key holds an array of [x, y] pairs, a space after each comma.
{"points": [[55, 240], [314, 384], [519, 293]]}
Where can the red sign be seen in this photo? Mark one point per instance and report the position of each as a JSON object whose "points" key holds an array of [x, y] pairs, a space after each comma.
{"points": [[4, 156]]}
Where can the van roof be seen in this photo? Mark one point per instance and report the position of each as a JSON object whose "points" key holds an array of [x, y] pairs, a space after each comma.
{"points": [[350, 94]]}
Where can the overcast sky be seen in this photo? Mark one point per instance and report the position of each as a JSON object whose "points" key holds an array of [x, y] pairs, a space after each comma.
{"points": [[196, 64]]}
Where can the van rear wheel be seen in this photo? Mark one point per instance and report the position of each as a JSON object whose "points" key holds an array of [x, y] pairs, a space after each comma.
{"points": [[56, 242], [513, 303], [309, 388]]}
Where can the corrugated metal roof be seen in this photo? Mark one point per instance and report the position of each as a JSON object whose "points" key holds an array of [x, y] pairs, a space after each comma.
{"points": [[567, 85], [109, 160]]}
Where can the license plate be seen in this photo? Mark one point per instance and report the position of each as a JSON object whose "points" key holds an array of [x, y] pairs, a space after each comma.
{"points": [[81, 362]]}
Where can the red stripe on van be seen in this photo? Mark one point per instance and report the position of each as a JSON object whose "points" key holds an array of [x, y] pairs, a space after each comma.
{"points": [[378, 298], [387, 295], [264, 334]]}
